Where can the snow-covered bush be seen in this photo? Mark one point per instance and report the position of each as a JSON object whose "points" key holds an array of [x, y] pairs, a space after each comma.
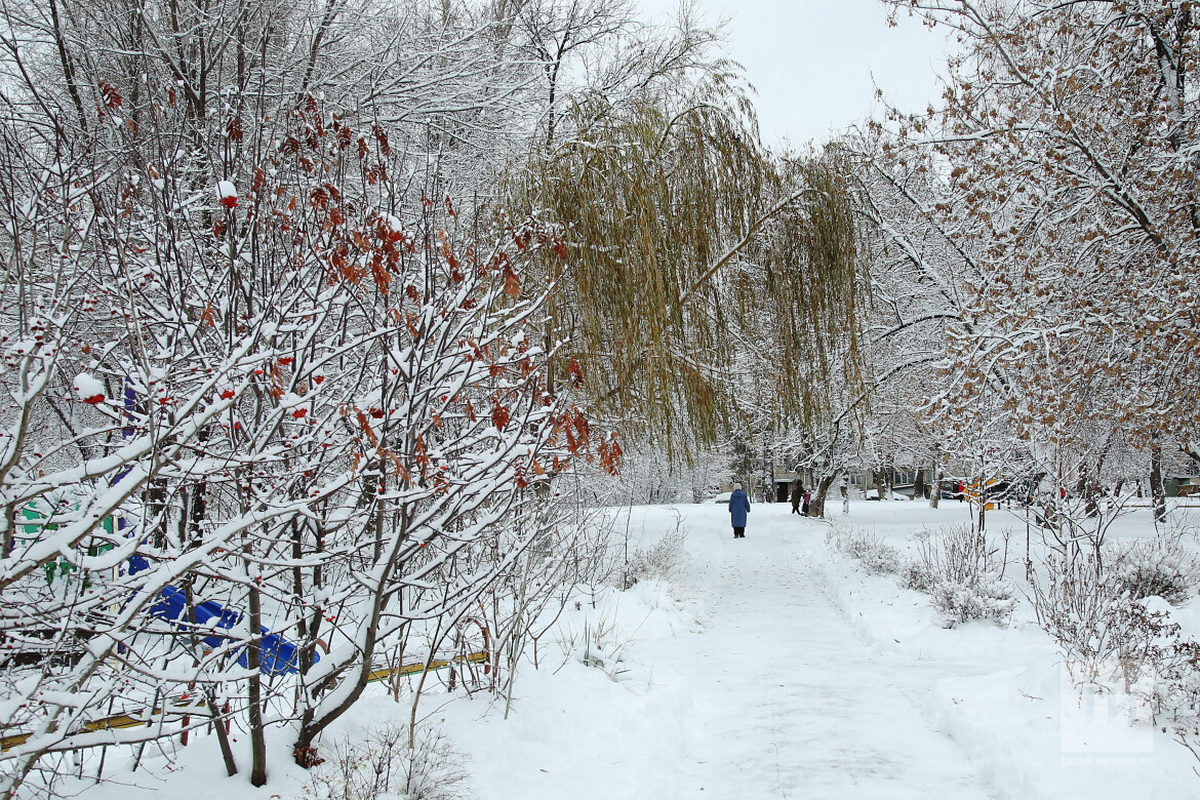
{"points": [[1176, 681], [1097, 625], [344, 420], [880, 559], [876, 557], [963, 572], [1177, 692], [659, 561], [956, 554], [1157, 567], [985, 597], [917, 575], [382, 766]]}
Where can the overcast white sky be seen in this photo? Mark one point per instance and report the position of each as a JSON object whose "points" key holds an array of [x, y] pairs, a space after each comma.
{"points": [[815, 63]]}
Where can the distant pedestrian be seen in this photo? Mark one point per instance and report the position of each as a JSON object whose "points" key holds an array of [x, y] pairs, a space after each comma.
{"points": [[797, 496], [807, 500], [739, 507]]}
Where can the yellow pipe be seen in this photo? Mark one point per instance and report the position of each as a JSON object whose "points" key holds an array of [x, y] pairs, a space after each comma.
{"points": [[127, 721]]}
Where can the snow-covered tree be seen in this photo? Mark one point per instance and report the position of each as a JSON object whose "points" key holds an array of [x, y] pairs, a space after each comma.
{"points": [[268, 419], [1065, 143], [700, 264]]}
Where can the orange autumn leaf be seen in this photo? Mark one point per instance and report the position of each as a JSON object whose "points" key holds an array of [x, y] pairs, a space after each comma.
{"points": [[512, 284], [500, 416]]}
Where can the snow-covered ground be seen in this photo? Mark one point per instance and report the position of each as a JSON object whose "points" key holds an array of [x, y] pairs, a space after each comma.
{"points": [[768, 668]]}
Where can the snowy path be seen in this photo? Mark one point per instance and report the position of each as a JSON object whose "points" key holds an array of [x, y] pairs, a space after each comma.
{"points": [[806, 709], [828, 717], [772, 696]]}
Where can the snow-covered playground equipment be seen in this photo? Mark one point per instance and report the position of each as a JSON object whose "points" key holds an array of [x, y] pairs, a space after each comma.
{"points": [[276, 655]]}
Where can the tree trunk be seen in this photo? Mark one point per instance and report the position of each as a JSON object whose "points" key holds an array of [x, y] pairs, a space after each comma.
{"points": [[197, 514], [222, 735], [254, 687], [1091, 495], [1158, 492], [258, 737], [816, 507], [314, 720]]}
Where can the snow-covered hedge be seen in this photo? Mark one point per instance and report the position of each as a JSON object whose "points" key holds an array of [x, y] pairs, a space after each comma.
{"points": [[1157, 567], [876, 557], [985, 597]]}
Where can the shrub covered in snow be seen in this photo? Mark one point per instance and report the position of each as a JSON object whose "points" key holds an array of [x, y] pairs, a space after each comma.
{"points": [[963, 572], [917, 575], [876, 557], [1177, 692], [985, 597], [1173, 674], [659, 561], [880, 559], [1097, 624], [1158, 567], [382, 766], [957, 554]]}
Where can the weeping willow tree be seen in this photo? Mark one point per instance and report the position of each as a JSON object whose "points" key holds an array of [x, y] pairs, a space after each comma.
{"points": [[693, 250]]}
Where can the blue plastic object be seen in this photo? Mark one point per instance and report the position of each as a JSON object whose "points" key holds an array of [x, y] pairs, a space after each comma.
{"points": [[170, 607], [276, 655], [225, 619]]}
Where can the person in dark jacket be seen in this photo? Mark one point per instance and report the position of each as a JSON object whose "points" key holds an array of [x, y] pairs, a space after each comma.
{"points": [[739, 507], [797, 496]]}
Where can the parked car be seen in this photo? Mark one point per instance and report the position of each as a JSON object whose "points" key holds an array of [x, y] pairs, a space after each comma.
{"points": [[953, 489]]}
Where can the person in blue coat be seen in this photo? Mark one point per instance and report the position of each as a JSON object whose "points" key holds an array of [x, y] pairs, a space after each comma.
{"points": [[739, 507]]}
